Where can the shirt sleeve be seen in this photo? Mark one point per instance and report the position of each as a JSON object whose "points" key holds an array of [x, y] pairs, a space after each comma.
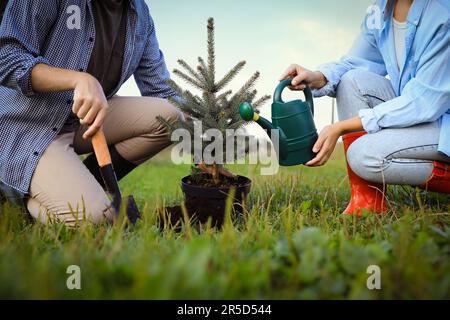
{"points": [[25, 26], [152, 75], [425, 98], [364, 54]]}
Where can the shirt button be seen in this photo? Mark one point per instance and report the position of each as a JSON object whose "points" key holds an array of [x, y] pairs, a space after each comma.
{"points": [[69, 101], [35, 153], [91, 39], [55, 129]]}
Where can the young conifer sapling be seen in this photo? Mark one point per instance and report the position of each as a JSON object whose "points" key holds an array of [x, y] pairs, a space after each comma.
{"points": [[215, 108]]}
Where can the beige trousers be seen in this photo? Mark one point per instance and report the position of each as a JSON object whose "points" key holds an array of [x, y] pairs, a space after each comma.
{"points": [[62, 188]]}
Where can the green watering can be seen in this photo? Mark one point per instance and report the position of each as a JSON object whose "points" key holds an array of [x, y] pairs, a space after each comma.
{"points": [[294, 121]]}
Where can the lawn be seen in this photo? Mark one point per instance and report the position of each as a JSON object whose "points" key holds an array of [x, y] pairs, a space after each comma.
{"points": [[291, 244]]}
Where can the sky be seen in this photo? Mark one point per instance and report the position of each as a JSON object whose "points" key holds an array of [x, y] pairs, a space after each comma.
{"points": [[269, 35]]}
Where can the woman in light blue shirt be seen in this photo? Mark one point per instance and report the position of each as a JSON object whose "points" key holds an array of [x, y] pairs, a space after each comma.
{"points": [[406, 115]]}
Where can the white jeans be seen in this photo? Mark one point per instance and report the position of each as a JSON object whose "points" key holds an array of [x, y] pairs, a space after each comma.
{"points": [[393, 156]]}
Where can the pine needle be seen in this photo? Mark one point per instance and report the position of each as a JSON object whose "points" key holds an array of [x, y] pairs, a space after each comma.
{"points": [[230, 75], [261, 101], [211, 51], [188, 79], [189, 69]]}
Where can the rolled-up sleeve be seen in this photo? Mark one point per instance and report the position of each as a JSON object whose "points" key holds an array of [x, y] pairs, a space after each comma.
{"points": [[369, 121], [364, 54], [24, 83], [425, 98], [22, 33]]}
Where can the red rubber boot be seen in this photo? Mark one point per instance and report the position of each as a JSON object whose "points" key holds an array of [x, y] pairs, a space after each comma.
{"points": [[364, 195], [440, 179]]}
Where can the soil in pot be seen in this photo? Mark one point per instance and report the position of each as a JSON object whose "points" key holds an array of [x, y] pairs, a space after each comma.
{"points": [[204, 201]]}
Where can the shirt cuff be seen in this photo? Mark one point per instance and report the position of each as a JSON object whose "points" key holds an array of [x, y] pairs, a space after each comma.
{"points": [[326, 90], [330, 88], [24, 79], [369, 120], [444, 138]]}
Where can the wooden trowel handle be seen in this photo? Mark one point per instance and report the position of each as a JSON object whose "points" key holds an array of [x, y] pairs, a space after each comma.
{"points": [[101, 149]]}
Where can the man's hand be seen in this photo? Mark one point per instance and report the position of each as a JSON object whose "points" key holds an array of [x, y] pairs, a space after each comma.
{"points": [[303, 77], [325, 145], [89, 103], [328, 138]]}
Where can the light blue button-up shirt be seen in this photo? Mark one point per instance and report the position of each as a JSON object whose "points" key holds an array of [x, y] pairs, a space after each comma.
{"points": [[422, 84]]}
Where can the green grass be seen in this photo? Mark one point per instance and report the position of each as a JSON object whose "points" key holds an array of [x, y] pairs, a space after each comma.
{"points": [[291, 244]]}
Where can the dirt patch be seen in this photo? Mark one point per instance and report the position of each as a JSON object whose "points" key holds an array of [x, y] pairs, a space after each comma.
{"points": [[208, 182]]}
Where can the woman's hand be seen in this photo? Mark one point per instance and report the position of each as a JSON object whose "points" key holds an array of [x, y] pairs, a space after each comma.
{"points": [[303, 77], [328, 138], [90, 103], [325, 145]]}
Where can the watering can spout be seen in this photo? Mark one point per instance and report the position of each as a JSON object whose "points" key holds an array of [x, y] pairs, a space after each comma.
{"points": [[248, 113]]}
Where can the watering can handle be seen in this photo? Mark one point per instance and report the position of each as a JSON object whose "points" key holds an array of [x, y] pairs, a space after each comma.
{"points": [[283, 84]]}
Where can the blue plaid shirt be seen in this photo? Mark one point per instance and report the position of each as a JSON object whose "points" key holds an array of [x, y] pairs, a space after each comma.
{"points": [[41, 31]]}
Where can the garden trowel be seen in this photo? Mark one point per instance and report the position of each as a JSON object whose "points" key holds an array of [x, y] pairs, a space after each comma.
{"points": [[109, 177]]}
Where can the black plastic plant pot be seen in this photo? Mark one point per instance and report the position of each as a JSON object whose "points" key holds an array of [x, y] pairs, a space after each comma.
{"points": [[205, 202]]}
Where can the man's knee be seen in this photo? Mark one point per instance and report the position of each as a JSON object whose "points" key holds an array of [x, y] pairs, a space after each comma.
{"points": [[94, 209], [98, 209], [365, 160], [171, 114]]}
